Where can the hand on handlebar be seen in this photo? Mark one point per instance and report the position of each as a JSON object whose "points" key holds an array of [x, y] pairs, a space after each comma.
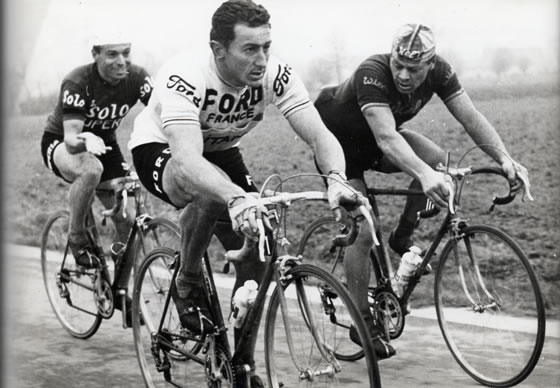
{"points": [[341, 194], [94, 144], [247, 214], [518, 178]]}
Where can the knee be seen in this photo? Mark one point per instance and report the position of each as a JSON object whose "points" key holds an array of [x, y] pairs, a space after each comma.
{"points": [[91, 172], [364, 240]]}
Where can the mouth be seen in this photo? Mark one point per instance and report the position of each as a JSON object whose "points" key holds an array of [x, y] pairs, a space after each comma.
{"points": [[403, 87], [121, 72], [256, 74]]}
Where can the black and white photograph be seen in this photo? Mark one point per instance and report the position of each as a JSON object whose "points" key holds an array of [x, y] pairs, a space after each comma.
{"points": [[267, 194]]}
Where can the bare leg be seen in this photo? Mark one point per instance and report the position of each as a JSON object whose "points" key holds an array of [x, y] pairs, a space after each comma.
{"points": [[84, 171], [356, 261], [431, 154], [197, 226]]}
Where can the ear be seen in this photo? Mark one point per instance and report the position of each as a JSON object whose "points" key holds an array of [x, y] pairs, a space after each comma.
{"points": [[432, 65], [218, 49]]}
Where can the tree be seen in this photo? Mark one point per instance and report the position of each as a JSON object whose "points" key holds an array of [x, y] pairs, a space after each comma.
{"points": [[523, 62], [502, 60]]}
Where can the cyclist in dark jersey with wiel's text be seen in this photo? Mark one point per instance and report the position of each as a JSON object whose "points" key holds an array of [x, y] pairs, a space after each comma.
{"points": [[366, 114]]}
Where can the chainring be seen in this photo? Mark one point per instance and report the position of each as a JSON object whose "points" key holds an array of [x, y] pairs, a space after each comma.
{"points": [[103, 296], [219, 371], [387, 312]]}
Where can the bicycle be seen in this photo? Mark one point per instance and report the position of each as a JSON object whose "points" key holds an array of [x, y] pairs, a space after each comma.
{"points": [[300, 310], [495, 333], [81, 298]]}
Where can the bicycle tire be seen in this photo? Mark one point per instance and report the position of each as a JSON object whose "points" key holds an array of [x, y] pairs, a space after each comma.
{"points": [[157, 233], [316, 246], [304, 288], [499, 345], [151, 287], [69, 289]]}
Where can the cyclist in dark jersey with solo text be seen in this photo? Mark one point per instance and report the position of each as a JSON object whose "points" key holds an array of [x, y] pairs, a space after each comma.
{"points": [[79, 144], [366, 114]]}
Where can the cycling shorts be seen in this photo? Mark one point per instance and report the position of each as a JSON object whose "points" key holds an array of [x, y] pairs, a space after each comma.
{"points": [[150, 160], [114, 165]]}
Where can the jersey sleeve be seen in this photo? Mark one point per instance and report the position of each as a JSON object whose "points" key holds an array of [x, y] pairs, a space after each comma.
{"points": [[448, 85], [74, 100], [372, 86], [180, 93], [288, 91], [146, 85]]}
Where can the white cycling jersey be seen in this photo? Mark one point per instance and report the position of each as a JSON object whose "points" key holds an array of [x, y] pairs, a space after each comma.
{"points": [[186, 91]]}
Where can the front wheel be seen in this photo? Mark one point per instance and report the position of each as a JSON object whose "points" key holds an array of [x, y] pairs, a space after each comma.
{"points": [[69, 287], [301, 341], [167, 354], [489, 306]]}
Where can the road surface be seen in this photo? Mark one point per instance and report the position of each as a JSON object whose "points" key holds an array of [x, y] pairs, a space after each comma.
{"points": [[39, 353]]}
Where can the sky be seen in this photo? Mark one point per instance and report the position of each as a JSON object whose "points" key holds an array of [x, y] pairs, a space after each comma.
{"points": [[48, 38]]}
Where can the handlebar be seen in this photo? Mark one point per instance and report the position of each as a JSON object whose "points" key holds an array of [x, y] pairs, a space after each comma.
{"points": [[122, 188], [497, 171], [457, 175], [285, 199]]}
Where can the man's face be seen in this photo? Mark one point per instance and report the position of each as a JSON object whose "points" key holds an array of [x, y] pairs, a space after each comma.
{"points": [[408, 76], [113, 61], [246, 57]]}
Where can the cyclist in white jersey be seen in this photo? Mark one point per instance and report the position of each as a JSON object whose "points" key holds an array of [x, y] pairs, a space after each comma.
{"points": [[184, 143]]}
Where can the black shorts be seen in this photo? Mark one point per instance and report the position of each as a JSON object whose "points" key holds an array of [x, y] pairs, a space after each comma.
{"points": [[114, 165], [150, 160]]}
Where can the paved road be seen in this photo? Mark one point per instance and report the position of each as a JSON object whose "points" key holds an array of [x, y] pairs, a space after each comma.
{"points": [[39, 353]]}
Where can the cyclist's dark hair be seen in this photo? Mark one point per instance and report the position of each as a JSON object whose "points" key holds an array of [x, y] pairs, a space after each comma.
{"points": [[233, 12]]}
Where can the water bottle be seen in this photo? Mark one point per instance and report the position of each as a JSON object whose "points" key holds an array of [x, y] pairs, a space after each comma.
{"points": [[409, 263], [242, 301], [117, 250]]}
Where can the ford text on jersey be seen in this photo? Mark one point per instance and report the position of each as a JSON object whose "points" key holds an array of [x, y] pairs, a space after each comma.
{"points": [[193, 93]]}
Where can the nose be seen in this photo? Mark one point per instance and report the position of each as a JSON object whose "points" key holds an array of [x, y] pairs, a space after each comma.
{"points": [[404, 74], [122, 60], [261, 58]]}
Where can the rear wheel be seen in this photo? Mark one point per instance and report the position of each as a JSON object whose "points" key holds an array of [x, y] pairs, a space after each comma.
{"points": [[157, 233], [317, 247], [69, 287], [494, 331], [300, 333]]}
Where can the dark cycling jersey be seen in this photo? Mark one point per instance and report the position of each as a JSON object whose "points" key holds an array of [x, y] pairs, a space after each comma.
{"points": [[84, 95], [372, 84]]}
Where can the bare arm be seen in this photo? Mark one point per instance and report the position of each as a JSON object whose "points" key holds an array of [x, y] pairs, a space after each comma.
{"points": [[72, 128], [478, 127], [399, 152], [308, 125], [192, 169], [482, 132]]}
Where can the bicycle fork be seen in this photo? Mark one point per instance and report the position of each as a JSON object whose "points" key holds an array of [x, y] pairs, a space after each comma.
{"points": [[476, 278], [327, 353]]}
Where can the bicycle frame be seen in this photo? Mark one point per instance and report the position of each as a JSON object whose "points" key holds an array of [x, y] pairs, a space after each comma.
{"points": [[275, 267], [123, 264], [450, 224]]}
